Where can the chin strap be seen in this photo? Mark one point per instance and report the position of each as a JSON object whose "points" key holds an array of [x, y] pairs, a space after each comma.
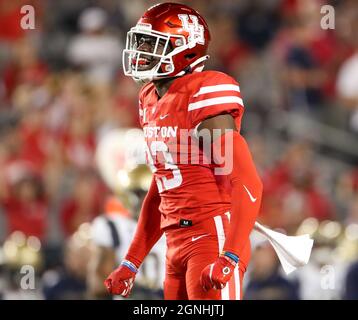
{"points": [[191, 67], [141, 81]]}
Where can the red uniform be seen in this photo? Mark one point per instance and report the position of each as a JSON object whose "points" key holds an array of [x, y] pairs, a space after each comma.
{"points": [[207, 217], [194, 201], [164, 121]]}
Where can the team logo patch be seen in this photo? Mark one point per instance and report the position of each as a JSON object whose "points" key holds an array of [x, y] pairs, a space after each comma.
{"points": [[226, 270]]}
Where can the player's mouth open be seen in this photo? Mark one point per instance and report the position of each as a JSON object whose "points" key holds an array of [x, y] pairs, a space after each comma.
{"points": [[143, 62]]}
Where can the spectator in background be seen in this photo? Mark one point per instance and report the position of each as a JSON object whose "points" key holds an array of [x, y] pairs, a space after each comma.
{"points": [[345, 190], [291, 193], [351, 283], [126, 107], [352, 212], [31, 102], [311, 55], [258, 22], [78, 136], [10, 145], [266, 281], [24, 67], [24, 201], [10, 16], [228, 52], [84, 204], [347, 85], [119, 106], [69, 281], [302, 73], [95, 51]]}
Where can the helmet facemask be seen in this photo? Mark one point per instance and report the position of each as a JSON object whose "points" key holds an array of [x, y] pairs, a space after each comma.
{"points": [[138, 63]]}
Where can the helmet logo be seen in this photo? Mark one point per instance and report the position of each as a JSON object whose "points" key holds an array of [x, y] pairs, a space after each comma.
{"points": [[195, 29]]}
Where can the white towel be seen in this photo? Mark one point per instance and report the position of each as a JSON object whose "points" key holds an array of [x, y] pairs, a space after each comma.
{"points": [[292, 251]]}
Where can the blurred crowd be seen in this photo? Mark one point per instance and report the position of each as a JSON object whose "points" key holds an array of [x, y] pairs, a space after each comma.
{"points": [[62, 89]]}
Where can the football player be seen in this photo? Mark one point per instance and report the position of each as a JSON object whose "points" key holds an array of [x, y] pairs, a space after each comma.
{"points": [[206, 214]]}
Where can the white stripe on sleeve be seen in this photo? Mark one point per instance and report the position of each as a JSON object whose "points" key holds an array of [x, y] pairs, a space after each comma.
{"points": [[214, 101], [217, 88]]}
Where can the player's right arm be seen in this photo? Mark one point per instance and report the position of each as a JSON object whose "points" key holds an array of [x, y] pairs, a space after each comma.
{"points": [[148, 232]]}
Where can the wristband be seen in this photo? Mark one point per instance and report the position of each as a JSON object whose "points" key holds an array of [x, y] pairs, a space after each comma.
{"points": [[129, 265], [230, 255]]}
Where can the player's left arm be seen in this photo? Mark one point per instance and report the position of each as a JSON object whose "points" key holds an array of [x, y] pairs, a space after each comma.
{"points": [[246, 188]]}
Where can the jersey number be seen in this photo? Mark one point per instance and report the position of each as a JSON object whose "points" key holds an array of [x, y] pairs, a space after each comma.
{"points": [[164, 183]]}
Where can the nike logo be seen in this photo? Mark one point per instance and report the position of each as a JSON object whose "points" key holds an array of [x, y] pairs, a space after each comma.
{"points": [[250, 195], [163, 117], [197, 238]]}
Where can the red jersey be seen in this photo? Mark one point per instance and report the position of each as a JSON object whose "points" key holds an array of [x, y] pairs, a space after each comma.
{"points": [[189, 189]]}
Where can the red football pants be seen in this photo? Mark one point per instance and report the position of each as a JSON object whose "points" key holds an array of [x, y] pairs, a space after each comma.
{"points": [[190, 250]]}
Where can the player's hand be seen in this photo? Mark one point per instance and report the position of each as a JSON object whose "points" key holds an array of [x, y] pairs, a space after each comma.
{"points": [[120, 281], [217, 274]]}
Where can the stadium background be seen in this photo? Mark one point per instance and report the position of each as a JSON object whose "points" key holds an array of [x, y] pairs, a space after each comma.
{"points": [[62, 88]]}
